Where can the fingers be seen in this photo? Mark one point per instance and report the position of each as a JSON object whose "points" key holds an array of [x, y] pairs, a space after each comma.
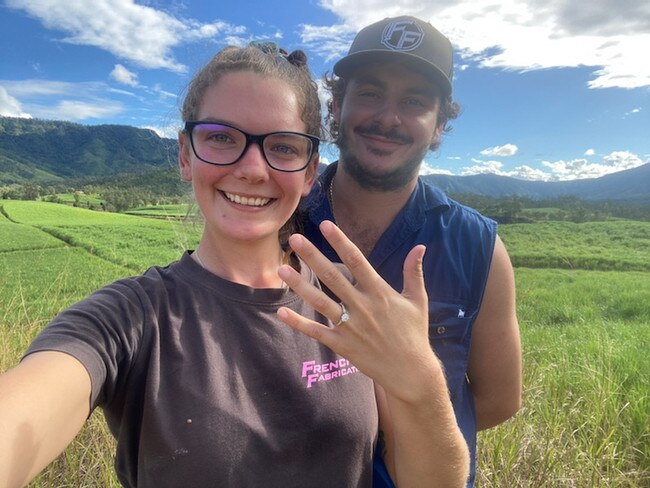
{"points": [[326, 271], [323, 334], [301, 324], [350, 255], [313, 296], [414, 288]]}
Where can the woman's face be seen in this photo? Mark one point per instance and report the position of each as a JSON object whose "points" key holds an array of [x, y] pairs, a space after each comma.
{"points": [[248, 200]]}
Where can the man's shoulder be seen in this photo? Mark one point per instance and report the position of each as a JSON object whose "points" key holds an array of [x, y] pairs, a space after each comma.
{"points": [[436, 199]]}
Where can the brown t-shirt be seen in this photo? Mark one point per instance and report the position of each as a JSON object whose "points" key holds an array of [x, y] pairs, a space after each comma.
{"points": [[202, 385]]}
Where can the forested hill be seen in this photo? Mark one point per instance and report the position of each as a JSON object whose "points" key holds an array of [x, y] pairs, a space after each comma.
{"points": [[44, 151], [53, 153]]}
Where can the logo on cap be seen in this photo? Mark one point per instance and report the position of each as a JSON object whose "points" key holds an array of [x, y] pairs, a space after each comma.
{"points": [[402, 35]]}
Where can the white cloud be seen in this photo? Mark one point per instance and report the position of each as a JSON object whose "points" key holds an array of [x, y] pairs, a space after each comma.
{"points": [[124, 76], [590, 152], [481, 167], [79, 110], [138, 33], [323, 97], [505, 150], [518, 34], [577, 169], [427, 169], [330, 42], [73, 101], [169, 131], [157, 88], [10, 106], [623, 160], [532, 174], [46, 88]]}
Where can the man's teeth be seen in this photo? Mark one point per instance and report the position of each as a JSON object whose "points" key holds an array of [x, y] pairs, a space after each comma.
{"points": [[253, 202]]}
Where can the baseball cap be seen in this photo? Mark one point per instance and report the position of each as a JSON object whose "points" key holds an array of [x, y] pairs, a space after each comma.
{"points": [[406, 39]]}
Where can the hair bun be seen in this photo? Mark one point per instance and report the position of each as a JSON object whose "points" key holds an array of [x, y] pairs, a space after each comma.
{"points": [[297, 58]]}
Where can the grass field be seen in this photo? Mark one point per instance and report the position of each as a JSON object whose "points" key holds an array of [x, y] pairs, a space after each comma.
{"points": [[161, 211], [612, 245], [583, 295]]}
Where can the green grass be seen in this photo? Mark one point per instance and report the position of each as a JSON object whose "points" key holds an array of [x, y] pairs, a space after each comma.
{"points": [[46, 213], [585, 334], [615, 245], [132, 242], [56, 256], [162, 211], [586, 415], [15, 237]]}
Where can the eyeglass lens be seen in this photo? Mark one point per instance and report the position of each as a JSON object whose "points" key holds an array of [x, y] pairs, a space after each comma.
{"points": [[221, 144]]}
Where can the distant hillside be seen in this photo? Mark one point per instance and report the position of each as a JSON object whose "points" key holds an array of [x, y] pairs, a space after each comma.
{"points": [[631, 185], [49, 152], [43, 151]]}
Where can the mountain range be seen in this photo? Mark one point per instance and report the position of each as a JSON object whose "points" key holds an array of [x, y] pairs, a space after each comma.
{"points": [[48, 152], [629, 185]]}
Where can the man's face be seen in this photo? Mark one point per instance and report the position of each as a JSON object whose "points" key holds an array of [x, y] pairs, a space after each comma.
{"points": [[387, 121]]}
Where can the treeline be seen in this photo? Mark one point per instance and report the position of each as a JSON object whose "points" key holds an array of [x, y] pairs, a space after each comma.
{"points": [[114, 194], [125, 192], [516, 209], [122, 192]]}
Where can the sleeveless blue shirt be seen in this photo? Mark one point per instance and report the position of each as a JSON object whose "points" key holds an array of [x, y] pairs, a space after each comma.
{"points": [[460, 243]]}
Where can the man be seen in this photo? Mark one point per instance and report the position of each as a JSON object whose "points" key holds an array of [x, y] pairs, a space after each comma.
{"points": [[391, 101]]}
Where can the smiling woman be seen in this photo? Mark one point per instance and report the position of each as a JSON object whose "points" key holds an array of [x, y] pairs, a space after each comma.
{"points": [[206, 369]]}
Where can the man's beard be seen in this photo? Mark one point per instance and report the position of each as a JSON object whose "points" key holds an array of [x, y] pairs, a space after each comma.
{"points": [[399, 177]]}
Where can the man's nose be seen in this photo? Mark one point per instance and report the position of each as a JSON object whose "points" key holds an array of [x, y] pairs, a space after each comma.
{"points": [[388, 114]]}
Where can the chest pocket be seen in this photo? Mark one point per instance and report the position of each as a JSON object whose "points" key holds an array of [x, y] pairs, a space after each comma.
{"points": [[450, 336]]}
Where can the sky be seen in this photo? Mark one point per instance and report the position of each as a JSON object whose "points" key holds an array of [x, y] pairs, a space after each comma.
{"points": [[550, 89]]}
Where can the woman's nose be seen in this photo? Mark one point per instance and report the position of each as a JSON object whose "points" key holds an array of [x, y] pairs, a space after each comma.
{"points": [[252, 165]]}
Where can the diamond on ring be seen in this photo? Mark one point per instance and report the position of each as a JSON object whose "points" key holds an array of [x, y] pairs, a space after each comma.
{"points": [[345, 316]]}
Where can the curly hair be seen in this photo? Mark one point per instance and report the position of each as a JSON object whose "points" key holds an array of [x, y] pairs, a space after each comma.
{"points": [[449, 110]]}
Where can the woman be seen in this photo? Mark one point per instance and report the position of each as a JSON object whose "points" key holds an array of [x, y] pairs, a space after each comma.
{"points": [[201, 382]]}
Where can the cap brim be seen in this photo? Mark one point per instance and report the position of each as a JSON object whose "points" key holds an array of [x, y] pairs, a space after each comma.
{"points": [[346, 66]]}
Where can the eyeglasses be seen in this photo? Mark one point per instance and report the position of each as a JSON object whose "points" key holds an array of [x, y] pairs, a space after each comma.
{"points": [[223, 144]]}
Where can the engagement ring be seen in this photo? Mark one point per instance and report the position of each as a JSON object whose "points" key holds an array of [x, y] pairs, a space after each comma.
{"points": [[345, 316]]}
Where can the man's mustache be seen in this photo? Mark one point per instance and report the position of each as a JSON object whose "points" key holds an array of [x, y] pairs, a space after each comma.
{"points": [[375, 130]]}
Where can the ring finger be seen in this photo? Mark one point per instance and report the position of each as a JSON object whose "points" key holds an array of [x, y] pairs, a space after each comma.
{"points": [[313, 296]]}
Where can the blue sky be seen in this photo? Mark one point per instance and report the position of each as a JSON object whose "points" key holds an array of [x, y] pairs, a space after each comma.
{"points": [[550, 89]]}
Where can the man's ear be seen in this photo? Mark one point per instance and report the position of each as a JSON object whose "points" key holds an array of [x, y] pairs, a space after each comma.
{"points": [[184, 160], [437, 134], [312, 174], [336, 110]]}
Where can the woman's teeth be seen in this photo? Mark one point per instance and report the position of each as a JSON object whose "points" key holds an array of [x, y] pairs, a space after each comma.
{"points": [[249, 201]]}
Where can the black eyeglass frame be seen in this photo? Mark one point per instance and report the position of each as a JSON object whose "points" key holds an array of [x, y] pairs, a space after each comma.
{"points": [[250, 138]]}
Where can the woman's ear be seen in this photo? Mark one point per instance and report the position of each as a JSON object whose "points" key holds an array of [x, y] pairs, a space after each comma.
{"points": [[312, 174], [184, 160]]}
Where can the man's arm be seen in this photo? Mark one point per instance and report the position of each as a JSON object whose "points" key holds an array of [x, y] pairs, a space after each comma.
{"points": [[43, 405], [495, 354], [421, 443]]}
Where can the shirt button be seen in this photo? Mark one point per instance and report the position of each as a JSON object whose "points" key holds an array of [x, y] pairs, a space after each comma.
{"points": [[441, 330]]}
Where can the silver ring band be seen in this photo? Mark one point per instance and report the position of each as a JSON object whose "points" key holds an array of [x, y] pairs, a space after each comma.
{"points": [[345, 316]]}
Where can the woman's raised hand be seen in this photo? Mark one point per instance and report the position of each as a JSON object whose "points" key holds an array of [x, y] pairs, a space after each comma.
{"points": [[386, 333]]}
